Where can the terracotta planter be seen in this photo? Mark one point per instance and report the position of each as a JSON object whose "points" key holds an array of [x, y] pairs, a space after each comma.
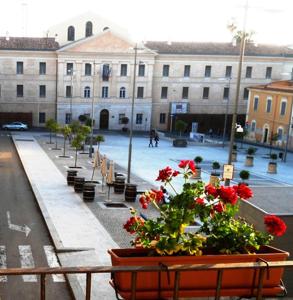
{"points": [[214, 179], [197, 175], [234, 156], [249, 161], [194, 283], [272, 167]]}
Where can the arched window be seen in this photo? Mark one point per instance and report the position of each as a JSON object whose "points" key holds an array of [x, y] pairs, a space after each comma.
{"points": [[70, 33], [87, 92], [88, 29], [122, 93], [253, 126], [280, 133]]}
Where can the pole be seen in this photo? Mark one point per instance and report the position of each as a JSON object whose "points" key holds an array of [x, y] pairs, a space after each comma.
{"points": [[226, 114], [288, 133], [131, 118], [71, 95], [234, 119], [92, 120]]}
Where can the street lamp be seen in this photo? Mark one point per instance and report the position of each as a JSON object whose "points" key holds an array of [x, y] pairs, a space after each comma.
{"points": [[71, 72], [234, 118], [92, 119], [131, 117]]}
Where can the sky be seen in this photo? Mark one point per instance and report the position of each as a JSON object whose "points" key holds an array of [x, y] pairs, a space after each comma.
{"points": [[165, 20]]}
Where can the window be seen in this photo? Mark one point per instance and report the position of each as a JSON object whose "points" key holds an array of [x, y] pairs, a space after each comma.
{"points": [[67, 118], [140, 92], [70, 33], [228, 73], [162, 118], [138, 119], [68, 91], [42, 117], [164, 92], [253, 126], [106, 72], [105, 91], [19, 67], [245, 93], [123, 70], [69, 68], [248, 72], [186, 70], [141, 70], [19, 90], [166, 70], [42, 91], [226, 93], [269, 105], [120, 117], [280, 133], [87, 92], [255, 104], [88, 70], [205, 94], [269, 73], [185, 91], [208, 71], [283, 108], [88, 29], [42, 68], [122, 92]]}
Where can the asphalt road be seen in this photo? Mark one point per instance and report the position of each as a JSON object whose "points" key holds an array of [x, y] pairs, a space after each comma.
{"points": [[24, 238]]}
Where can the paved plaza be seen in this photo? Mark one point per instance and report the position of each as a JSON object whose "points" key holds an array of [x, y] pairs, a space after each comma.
{"points": [[91, 228]]}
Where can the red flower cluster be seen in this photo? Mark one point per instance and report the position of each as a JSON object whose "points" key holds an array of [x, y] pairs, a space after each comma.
{"points": [[275, 225], [199, 201], [187, 163], [166, 174], [152, 195], [228, 194], [132, 224], [211, 190], [243, 191]]}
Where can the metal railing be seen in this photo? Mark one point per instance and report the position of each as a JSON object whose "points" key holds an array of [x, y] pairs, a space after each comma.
{"points": [[262, 266]]}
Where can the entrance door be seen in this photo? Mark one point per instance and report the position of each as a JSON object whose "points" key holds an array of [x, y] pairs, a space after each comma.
{"points": [[265, 135], [104, 119]]}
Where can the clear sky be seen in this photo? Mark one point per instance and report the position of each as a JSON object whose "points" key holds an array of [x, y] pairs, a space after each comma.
{"points": [[181, 20]]}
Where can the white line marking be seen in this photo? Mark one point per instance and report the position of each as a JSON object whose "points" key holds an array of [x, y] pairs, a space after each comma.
{"points": [[3, 263], [25, 229], [53, 263], [27, 261]]}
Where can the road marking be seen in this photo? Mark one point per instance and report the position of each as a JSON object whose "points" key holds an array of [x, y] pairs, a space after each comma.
{"points": [[27, 261], [25, 229], [53, 262], [3, 263]]}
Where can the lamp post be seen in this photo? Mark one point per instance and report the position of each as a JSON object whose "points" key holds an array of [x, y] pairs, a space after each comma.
{"points": [[92, 119], [70, 71], [131, 116], [234, 118]]}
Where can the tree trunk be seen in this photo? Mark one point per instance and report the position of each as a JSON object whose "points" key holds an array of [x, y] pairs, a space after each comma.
{"points": [[75, 157], [64, 146]]}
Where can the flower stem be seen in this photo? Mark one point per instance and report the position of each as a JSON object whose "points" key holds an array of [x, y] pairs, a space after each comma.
{"points": [[172, 187]]}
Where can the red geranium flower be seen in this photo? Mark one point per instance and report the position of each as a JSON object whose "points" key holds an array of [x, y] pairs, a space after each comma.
{"points": [[219, 207], [187, 163], [157, 195], [199, 201], [275, 225], [228, 195], [243, 191], [211, 190], [183, 164], [133, 224], [165, 174], [191, 166], [175, 173]]}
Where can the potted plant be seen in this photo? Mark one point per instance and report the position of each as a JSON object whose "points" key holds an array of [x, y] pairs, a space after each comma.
{"points": [[124, 121], [244, 175], [180, 126], [250, 156], [234, 153], [220, 238], [99, 139], [214, 178], [197, 174], [272, 166]]}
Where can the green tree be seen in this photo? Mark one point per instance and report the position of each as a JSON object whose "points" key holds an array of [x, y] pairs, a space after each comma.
{"points": [[56, 130], [66, 131], [77, 144], [50, 125], [99, 139], [180, 126]]}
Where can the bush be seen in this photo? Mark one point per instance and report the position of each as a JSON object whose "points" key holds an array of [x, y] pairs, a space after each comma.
{"points": [[235, 147], [273, 156], [251, 151], [216, 165], [198, 160], [244, 174], [82, 118], [180, 126]]}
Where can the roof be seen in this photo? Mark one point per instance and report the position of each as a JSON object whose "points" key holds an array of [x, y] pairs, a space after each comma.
{"points": [[195, 48], [277, 86], [28, 43]]}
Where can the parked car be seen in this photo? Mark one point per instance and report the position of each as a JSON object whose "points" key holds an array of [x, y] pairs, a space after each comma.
{"points": [[15, 126]]}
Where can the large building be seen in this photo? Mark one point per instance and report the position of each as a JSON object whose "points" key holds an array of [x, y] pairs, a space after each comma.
{"points": [[89, 68]]}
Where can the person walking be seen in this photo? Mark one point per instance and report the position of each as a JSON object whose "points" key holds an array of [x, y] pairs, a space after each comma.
{"points": [[151, 139], [156, 139]]}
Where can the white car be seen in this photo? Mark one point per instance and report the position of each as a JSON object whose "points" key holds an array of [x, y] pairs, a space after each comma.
{"points": [[15, 126]]}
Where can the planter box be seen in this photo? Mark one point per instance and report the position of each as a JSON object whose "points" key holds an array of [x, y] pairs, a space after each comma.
{"points": [[249, 161], [197, 175], [180, 143], [234, 156], [272, 167], [194, 283], [214, 179]]}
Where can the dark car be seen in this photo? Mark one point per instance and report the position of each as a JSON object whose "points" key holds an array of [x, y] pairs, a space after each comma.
{"points": [[15, 126]]}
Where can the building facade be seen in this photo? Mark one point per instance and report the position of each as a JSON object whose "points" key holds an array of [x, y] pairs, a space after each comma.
{"points": [[91, 71], [269, 114]]}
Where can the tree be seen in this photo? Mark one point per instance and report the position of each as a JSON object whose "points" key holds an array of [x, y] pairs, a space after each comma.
{"points": [[50, 125], [74, 125], [77, 143], [99, 139], [56, 130], [244, 175], [82, 118], [66, 131], [180, 126]]}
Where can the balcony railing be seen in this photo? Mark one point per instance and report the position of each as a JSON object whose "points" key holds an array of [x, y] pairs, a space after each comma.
{"points": [[88, 271]]}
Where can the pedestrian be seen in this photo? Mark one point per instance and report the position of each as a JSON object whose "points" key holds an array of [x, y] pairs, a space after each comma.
{"points": [[156, 140], [151, 139], [166, 197]]}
